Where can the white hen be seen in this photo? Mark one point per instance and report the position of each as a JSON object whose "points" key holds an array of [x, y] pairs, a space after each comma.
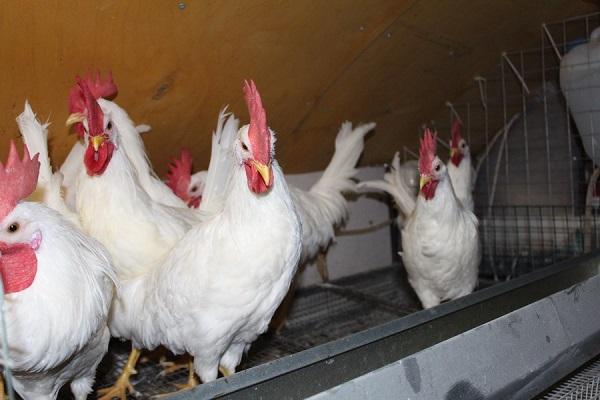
{"points": [[440, 240], [219, 286], [58, 286], [112, 205]]}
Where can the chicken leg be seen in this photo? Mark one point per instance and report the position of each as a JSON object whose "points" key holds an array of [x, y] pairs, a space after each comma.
{"points": [[2, 392], [170, 367], [192, 382], [122, 386]]}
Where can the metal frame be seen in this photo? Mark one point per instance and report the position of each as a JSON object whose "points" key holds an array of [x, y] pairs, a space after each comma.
{"points": [[323, 367]]}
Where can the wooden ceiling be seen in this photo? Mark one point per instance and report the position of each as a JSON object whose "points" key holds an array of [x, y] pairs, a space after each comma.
{"points": [[316, 63]]}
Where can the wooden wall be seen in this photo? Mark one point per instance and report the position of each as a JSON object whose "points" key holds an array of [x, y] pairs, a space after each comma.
{"points": [[316, 63]]}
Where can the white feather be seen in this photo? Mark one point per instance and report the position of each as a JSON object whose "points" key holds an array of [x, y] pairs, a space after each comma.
{"points": [[35, 137], [70, 169], [133, 145], [57, 328], [324, 205], [221, 162], [401, 182]]}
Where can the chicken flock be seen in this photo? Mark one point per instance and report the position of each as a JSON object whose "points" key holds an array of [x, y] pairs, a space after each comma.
{"points": [[200, 262]]}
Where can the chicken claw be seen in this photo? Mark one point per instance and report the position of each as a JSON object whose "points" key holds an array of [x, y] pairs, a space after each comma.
{"points": [[224, 371], [170, 367], [122, 385], [190, 384]]}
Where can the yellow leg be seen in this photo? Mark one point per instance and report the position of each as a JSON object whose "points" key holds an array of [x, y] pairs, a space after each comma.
{"points": [[192, 382], [122, 386], [171, 366], [224, 371]]}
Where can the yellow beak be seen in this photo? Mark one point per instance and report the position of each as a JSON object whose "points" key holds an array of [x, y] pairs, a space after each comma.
{"points": [[74, 118], [264, 171], [453, 152], [424, 180], [97, 141]]}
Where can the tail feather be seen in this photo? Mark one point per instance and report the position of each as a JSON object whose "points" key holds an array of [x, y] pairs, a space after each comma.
{"points": [[221, 162], [324, 206], [394, 184], [35, 137]]}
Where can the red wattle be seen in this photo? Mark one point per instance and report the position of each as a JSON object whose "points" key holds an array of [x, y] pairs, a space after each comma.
{"points": [[255, 181], [428, 189], [18, 266], [97, 161], [194, 202], [457, 158]]}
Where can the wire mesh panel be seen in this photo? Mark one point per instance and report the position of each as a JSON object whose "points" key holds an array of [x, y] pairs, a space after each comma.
{"points": [[532, 124], [582, 385]]}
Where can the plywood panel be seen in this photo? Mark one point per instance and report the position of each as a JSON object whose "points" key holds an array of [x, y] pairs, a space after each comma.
{"points": [[316, 63]]}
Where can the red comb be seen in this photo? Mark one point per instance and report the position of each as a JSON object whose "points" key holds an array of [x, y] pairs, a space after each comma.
{"points": [[99, 87], [427, 151], [18, 178], [456, 136], [95, 117], [258, 132], [179, 174]]}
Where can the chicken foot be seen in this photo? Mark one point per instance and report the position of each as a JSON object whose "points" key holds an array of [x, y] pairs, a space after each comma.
{"points": [[122, 386]]}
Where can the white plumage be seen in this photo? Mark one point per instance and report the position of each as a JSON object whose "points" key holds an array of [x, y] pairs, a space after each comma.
{"points": [[402, 183], [220, 285], [440, 239], [324, 206], [35, 137], [56, 327]]}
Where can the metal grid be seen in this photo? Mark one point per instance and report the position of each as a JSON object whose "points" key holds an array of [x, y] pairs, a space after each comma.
{"points": [[536, 193], [582, 385], [319, 315]]}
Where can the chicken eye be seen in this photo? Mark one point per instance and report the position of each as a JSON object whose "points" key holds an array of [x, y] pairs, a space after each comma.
{"points": [[462, 145], [109, 125], [244, 146], [437, 168], [194, 188], [12, 228]]}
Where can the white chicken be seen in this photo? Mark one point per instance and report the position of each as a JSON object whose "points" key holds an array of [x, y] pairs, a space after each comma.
{"points": [[460, 167], [220, 285], [440, 239], [321, 208], [112, 205], [58, 285]]}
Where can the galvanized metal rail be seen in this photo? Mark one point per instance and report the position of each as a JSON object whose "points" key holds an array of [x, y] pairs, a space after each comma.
{"points": [[321, 368]]}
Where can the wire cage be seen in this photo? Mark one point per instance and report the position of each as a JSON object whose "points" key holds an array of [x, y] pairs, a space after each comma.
{"points": [[535, 196], [532, 130]]}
